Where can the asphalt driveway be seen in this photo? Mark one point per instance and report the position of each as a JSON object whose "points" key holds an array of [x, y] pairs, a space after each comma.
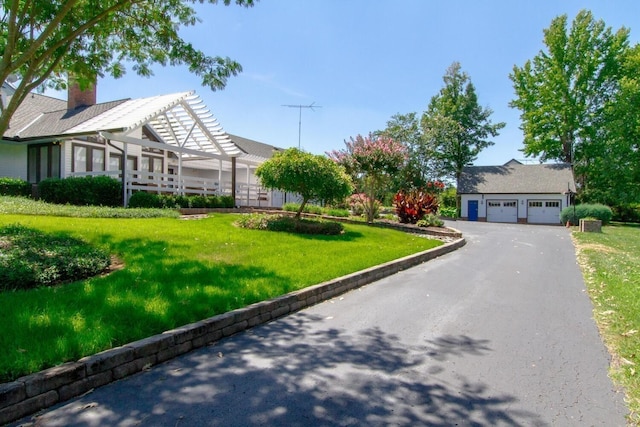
{"points": [[499, 332]]}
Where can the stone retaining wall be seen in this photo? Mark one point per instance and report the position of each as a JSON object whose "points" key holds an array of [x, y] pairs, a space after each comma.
{"points": [[37, 391]]}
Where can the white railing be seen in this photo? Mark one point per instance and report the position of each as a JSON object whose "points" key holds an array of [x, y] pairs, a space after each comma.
{"points": [[160, 183]]}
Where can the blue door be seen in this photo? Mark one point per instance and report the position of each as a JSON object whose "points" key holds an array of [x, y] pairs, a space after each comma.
{"points": [[472, 207]]}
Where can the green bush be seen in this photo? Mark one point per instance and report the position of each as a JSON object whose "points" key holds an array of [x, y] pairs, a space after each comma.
{"points": [[82, 191], [310, 209], [14, 187], [573, 214], [430, 220], [289, 224], [31, 258], [342, 213], [142, 199], [448, 212], [626, 213]]}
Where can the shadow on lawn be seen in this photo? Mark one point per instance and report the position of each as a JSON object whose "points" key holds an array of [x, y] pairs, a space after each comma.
{"points": [[302, 371], [153, 293]]}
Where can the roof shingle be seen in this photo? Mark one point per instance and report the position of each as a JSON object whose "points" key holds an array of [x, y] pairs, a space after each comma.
{"points": [[514, 178]]}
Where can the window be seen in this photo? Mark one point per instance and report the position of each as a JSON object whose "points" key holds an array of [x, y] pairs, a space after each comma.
{"points": [[553, 204], [493, 204], [152, 164], [88, 159], [43, 161], [510, 204], [535, 204]]}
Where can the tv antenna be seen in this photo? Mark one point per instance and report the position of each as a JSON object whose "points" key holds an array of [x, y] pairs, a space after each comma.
{"points": [[300, 107]]}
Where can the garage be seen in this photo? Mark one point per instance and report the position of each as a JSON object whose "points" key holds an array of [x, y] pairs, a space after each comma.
{"points": [[543, 212], [502, 210]]}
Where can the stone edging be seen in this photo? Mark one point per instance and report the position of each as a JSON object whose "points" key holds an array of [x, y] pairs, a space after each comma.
{"points": [[34, 392]]}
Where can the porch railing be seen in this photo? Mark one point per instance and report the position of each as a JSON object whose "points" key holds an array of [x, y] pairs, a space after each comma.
{"points": [[160, 183]]}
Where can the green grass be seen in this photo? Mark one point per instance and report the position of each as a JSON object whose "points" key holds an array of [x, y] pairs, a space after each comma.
{"points": [[611, 266], [176, 272], [26, 206]]}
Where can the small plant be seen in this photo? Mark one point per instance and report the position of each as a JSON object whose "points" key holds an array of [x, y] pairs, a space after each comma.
{"points": [[360, 203], [430, 220], [412, 206], [448, 212], [309, 209], [342, 213]]}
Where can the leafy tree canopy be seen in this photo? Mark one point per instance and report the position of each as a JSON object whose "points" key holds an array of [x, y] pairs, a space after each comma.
{"points": [[455, 126], [312, 176], [562, 92], [44, 41], [372, 161]]}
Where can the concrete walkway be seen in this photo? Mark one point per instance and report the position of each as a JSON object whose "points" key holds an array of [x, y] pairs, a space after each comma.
{"points": [[499, 332]]}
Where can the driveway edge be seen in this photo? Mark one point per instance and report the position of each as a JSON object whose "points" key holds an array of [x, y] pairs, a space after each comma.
{"points": [[38, 391]]}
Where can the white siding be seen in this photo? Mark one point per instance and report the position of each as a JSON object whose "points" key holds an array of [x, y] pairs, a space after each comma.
{"points": [[13, 161]]}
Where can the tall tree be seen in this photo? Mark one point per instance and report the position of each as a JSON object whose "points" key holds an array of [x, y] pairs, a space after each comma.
{"points": [[614, 175], [42, 41], [455, 126], [563, 92], [419, 168]]}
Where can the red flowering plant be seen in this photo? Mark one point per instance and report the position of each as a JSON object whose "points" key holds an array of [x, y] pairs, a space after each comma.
{"points": [[372, 161], [412, 206]]}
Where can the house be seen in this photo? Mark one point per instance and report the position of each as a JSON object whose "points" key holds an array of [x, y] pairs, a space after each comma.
{"points": [[166, 144], [515, 192]]}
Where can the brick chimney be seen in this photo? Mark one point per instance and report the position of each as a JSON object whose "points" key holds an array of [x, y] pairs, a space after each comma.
{"points": [[80, 98]]}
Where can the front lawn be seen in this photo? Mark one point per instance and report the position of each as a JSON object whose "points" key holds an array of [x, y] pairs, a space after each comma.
{"points": [[175, 272], [611, 265]]}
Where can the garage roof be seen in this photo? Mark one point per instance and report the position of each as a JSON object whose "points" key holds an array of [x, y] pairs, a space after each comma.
{"points": [[517, 178]]}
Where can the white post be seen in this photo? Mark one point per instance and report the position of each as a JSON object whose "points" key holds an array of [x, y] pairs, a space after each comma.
{"points": [[125, 182]]}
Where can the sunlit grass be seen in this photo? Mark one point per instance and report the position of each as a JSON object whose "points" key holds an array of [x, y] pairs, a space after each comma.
{"points": [[611, 265], [176, 272]]}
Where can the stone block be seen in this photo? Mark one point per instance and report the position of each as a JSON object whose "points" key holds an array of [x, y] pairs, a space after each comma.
{"points": [[107, 360], [53, 378], [12, 393]]}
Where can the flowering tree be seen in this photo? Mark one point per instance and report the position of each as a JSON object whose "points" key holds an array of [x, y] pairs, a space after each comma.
{"points": [[371, 161]]}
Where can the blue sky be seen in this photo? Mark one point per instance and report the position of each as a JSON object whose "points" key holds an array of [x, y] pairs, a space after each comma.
{"points": [[363, 61]]}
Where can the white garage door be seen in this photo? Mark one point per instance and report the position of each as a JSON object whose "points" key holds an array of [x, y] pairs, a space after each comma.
{"points": [[502, 210], [544, 212]]}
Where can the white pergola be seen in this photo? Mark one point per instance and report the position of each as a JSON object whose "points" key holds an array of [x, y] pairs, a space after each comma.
{"points": [[182, 124]]}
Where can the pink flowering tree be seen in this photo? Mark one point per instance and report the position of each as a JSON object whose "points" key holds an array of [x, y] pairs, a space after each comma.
{"points": [[372, 161]]}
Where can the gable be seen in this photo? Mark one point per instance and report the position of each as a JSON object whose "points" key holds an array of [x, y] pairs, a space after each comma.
{"points": [[515, 178]]}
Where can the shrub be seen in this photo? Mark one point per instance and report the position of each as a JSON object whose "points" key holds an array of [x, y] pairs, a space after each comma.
{"points": [[359, 203], [14, 187], [310, 209], [342, 213], [289, 224], [412, 206], [448, 212], [573, 214], [142, 199], [31, 258], [82, 191], [626, 213], [430, 220]]}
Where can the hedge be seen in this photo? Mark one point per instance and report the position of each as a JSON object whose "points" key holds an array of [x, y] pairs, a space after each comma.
{"points": [[573, 214], [82, 191], [14, 187], [142, 199]]}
